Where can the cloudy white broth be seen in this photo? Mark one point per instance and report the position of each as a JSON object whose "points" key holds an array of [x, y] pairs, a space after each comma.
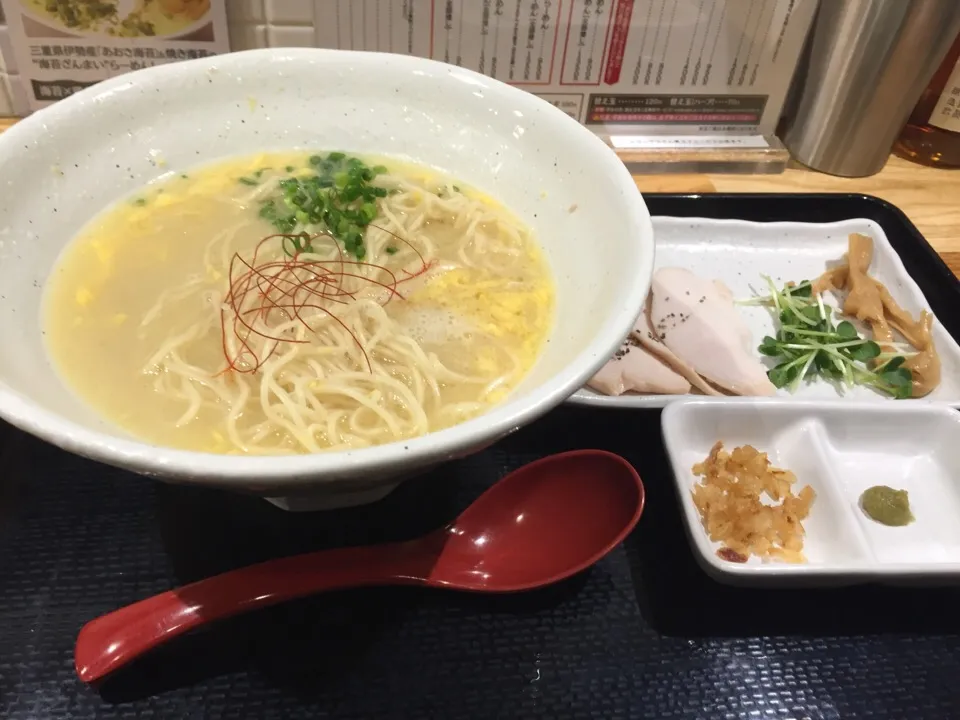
{"points": [[295, 302]]}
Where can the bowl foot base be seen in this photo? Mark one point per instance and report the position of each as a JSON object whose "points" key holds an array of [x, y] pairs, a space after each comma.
{"points": [[331, 500]]}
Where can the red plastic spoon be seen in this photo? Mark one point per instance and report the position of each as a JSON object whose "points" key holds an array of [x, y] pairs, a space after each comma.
{"points": [[540, 524]]}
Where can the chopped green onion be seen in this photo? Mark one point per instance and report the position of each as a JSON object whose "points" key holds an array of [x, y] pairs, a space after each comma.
{"points": [[337, 198]]}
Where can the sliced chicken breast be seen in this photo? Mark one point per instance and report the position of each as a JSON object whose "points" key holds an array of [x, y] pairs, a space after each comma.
{"points": [[633, 369], [697, 320], [645, 335]]}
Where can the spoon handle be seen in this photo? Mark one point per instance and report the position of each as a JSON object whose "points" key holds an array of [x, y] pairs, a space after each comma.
{"points": [[112, 640]]}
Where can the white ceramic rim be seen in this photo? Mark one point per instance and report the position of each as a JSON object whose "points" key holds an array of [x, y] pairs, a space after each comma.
{"points": [[268, 472]]}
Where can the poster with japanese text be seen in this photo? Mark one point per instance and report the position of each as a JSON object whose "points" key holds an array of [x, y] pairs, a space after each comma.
{"points": [[698, 66], [62, 46]]}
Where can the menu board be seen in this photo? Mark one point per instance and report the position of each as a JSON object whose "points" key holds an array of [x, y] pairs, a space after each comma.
{"points": [[62, 46], [650, 66]]}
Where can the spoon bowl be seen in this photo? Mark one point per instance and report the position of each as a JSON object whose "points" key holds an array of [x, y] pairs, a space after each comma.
{"points": [[540, 524], [545, 522]]}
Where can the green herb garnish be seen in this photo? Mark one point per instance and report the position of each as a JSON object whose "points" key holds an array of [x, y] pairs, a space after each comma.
{"points": [[285, 223], [339, 198], [296, 244], [247, 181], [391, 250], [808, 344]]}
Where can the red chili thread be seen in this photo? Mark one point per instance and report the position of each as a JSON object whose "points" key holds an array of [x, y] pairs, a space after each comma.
{"points": [[289, 286]]}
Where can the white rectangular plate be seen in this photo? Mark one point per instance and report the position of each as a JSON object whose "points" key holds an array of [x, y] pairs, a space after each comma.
{"points": [[740, 252], [840, 450]]}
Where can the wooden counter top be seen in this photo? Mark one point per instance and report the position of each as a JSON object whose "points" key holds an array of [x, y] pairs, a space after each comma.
{"points": [[930, 197]]}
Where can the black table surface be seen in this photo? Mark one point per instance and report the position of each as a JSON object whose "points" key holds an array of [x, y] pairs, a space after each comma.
{"points": [[643, 634]]}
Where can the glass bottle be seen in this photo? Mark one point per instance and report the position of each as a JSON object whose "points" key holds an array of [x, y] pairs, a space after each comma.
{"points": [[932, 134]]}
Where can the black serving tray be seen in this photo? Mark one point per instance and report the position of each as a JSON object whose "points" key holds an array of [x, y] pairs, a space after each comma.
{"points": [[644, 634]]}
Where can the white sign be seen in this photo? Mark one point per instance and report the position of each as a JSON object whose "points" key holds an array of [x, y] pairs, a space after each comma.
{"points": [[674, 142], [946, 113]]}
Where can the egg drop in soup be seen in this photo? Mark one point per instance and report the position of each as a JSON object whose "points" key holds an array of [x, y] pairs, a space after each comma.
{"points": [[293, 303]]}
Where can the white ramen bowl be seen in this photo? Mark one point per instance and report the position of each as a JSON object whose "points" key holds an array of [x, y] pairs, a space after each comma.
{"points": [[67, 163]]}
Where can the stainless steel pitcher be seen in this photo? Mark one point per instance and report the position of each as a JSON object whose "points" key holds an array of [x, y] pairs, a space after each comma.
{"points": [[866, 67]]}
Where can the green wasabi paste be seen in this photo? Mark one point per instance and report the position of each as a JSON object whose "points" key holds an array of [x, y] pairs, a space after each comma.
{"points": [[887, 506]]}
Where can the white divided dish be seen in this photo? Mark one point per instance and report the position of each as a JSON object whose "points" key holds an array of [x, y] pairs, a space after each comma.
{"points": [[739, 253], [840, 450]]}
